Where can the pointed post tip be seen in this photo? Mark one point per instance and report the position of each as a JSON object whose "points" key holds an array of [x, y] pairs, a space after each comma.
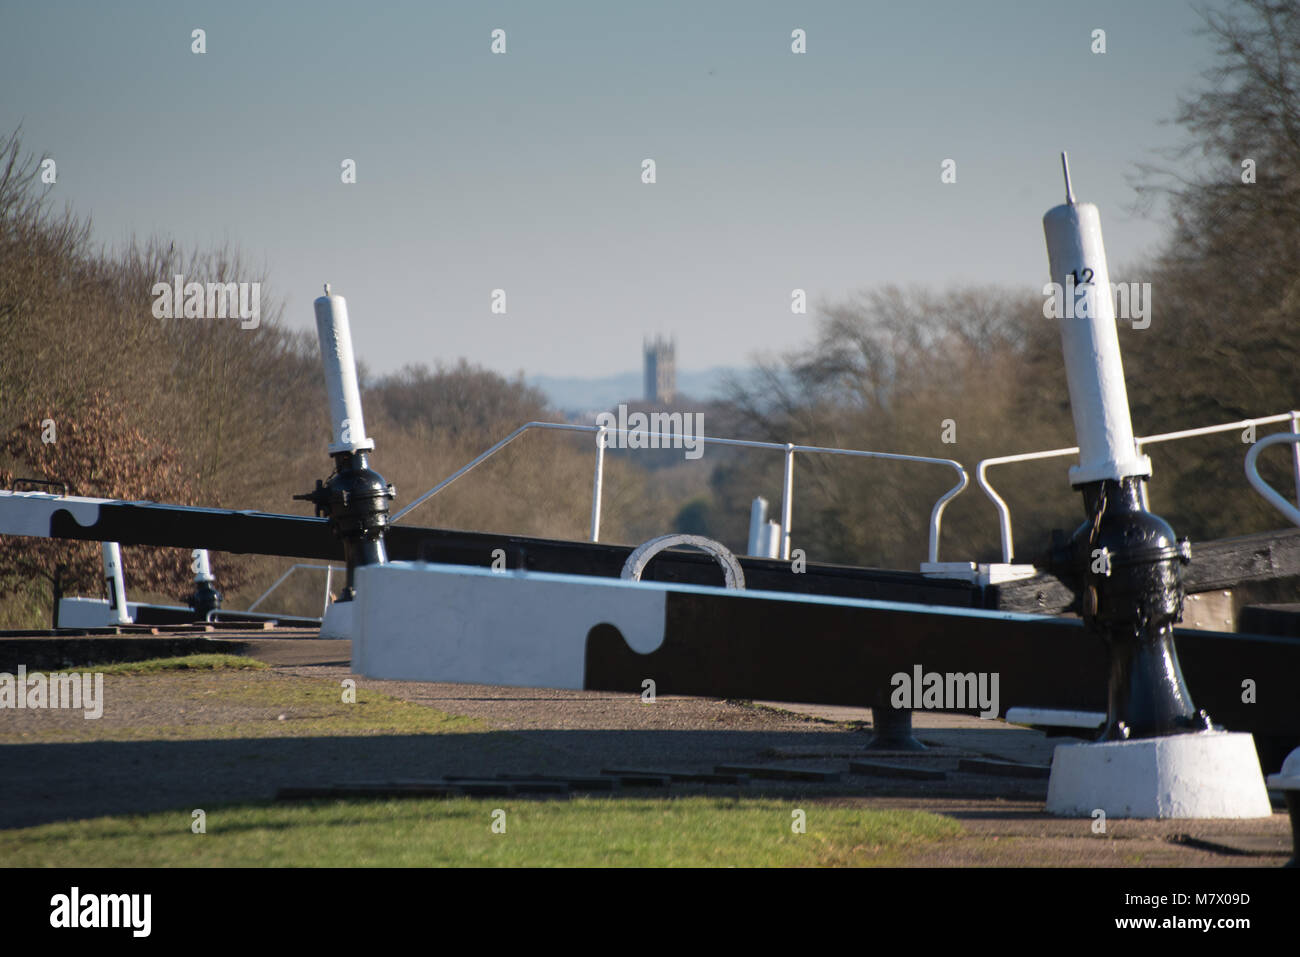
{"points": [[1065, 167]]}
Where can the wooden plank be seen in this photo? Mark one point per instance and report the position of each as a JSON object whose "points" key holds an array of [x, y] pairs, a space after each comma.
{"points": [[1225, 563], [1228, 562]]}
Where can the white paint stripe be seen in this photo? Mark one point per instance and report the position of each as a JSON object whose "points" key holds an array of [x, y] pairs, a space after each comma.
{"points": [[29, 513], [748, 594], [462, 624]]}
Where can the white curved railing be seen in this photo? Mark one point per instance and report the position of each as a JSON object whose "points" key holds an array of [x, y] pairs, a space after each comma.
{"points": [[1004, 512], [1263, 488], [787, 489]]}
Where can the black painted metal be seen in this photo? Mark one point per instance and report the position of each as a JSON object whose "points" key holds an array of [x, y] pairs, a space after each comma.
{"points": [[893, 730], [204, 598], [1130, 564], [54, 485], [733, 646], [355, 501], [217, 529], [298, 536], [164, 615]]}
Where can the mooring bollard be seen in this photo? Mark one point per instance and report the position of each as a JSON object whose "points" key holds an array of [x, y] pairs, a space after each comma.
{"points": [[892, 729], [355, 498], [205, 598]]}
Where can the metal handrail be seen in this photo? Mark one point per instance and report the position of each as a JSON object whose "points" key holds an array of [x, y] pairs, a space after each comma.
{"points": [[787, 491], [558, 426], [329, 575], [1004, 513], [1263, 488]]}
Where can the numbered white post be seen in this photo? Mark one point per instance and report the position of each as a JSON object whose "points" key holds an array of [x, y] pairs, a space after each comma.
{"points": [[115, 584], [1094, 371], [340, 375]]}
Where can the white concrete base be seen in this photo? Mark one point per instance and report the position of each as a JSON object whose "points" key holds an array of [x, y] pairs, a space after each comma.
{"points": [[1209, 774], [90, 613], [338, 620]]}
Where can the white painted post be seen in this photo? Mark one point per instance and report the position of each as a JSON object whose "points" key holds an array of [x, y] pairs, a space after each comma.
{"points": [[787, 500], [1093, 368], [1295, 454], [770, 541], [202, 567], [757, 526], [115, 584], [340, 375], [598, 482]]}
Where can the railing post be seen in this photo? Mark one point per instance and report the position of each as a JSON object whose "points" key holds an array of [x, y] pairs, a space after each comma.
{"points": [[1142, 485], [936, 513], [1004, 513], [787, 501], [1275, 498], [757, 524], [597, 484], [1295, 454]]}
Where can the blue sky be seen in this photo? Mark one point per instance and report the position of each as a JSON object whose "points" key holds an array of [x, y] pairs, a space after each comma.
{"points": [[523, 171]]}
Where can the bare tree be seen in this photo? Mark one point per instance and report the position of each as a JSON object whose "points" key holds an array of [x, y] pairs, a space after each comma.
{"points": [[96, 451]]}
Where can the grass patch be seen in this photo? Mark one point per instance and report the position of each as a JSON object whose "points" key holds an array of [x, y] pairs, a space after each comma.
{"points": [[217, 697], [584, 832], [153, 666]]}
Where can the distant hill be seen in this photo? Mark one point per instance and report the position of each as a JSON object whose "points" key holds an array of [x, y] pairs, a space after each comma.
{"points": [[573, 394]]}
